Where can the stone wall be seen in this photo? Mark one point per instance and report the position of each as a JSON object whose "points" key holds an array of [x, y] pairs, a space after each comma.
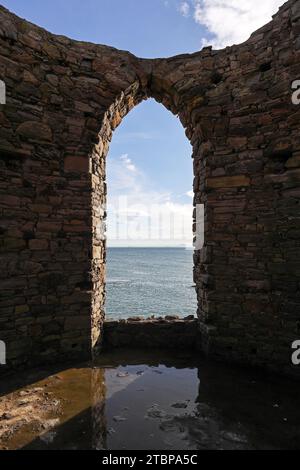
{"points": [[152, 333], [64, 100]]}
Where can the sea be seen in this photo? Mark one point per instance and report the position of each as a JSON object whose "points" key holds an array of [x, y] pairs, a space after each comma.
{"points": [[150, 281]]}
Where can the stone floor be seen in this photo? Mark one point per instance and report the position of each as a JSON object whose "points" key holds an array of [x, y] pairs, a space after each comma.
{"points": [[150, 401]]}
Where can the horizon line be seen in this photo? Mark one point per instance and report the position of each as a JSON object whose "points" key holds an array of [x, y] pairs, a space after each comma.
{"points": [[150, 246]]}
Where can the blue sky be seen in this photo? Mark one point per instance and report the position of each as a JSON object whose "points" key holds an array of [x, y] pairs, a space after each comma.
{"points": [[150, 156], [147, 28], [150, 28], [150, 163]]}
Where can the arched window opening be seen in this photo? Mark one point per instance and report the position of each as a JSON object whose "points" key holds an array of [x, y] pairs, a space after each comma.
{"points": [[149, 267]]}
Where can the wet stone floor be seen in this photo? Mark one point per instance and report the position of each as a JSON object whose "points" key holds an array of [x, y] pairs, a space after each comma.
{"points": [[136, 400]]}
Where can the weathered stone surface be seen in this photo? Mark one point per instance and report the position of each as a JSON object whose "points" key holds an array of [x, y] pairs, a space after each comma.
{"points": [[168, 333], [38, 244], [228, 182], [33, 130], [64, 99], [76, 164]]}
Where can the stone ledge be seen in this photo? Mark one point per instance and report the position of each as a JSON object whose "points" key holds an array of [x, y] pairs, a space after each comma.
{"points": [[169, 332]]}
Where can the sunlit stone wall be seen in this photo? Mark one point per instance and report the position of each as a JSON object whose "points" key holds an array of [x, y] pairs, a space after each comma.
{"points": [[63, 101]]}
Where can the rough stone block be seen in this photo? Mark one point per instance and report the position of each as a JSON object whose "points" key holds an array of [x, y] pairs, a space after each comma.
{"points": [[228, 182], [76, 164]]}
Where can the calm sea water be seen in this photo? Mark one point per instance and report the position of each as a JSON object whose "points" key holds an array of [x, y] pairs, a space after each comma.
{"points": [[150, 281]]}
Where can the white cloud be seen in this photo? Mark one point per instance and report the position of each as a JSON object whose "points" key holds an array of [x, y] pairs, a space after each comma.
{"points": [[184, 9], [138, 214], [190, 194], [232, 21], [128, 163]]}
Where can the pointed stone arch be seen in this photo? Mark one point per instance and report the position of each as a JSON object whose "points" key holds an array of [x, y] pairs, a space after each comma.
{"points": [[142, 89]]}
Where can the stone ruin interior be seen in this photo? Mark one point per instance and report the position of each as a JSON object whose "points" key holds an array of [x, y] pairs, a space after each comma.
{"points": [[64, 99]]}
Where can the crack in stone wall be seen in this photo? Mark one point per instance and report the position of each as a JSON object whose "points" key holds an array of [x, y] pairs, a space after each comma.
{"points": [[64, 100]]}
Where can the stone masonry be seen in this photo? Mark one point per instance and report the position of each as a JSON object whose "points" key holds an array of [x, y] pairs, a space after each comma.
{"points": [[64, 100], [170, 332]]}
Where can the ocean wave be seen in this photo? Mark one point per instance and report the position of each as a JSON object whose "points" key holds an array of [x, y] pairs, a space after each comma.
{"points": [[118, 281]]}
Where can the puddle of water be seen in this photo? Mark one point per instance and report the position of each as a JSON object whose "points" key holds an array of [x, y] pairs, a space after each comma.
{"points": [[135, 400]]}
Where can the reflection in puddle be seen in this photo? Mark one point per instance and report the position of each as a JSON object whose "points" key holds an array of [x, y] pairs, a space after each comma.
{"points": [[157, 402]]}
